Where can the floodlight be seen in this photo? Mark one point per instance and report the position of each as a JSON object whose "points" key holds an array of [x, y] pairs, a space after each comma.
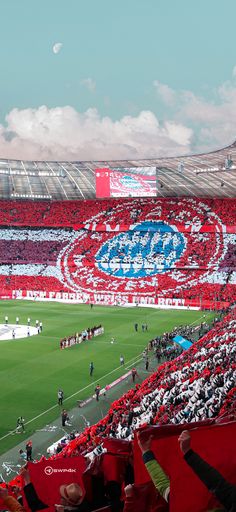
{"points": [[180, 167]]}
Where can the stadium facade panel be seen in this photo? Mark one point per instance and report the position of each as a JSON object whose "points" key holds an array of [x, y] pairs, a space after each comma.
{"points": [[203, 175]]}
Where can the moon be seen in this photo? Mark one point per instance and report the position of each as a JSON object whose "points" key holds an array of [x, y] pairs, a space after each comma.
{"points": [[57, 47]]}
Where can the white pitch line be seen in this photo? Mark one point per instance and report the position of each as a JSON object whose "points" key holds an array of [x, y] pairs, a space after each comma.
{"points": [[120, 343], [129, 365], [69, 397], [203, 316]]}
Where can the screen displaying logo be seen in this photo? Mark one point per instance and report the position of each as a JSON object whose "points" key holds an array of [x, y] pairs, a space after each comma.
{"points": [[132, 182]]}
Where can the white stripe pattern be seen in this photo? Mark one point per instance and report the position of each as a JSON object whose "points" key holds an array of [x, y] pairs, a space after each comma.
{"points": [[38, 235]]}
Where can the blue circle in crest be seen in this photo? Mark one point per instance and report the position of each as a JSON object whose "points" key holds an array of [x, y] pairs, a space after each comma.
{"points": [[150, 248], [129, 182]]}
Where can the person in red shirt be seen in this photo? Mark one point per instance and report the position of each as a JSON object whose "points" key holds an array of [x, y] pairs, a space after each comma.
{"points": [[97, 392], [28, 448]]}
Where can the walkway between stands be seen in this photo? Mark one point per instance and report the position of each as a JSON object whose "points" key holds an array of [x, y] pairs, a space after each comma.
{"points": [[10, 462]]}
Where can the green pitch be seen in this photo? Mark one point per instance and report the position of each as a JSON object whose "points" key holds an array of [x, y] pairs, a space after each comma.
{"points": [[32, 369]]}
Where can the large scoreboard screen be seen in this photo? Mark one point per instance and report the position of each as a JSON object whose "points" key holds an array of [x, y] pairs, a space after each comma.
{"points": [[130, 182]]}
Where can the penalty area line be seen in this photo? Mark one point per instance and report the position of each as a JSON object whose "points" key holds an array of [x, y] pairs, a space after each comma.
{"points": [[11, 432]]}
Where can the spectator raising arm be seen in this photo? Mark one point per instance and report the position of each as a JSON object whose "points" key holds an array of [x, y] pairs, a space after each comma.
{"points": [[159, 478], [10, 503], [212, 479], [33, 501]]}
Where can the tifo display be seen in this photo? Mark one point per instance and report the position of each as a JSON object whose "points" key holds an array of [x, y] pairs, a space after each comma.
{"points": [[166, 252], [169, 253]]}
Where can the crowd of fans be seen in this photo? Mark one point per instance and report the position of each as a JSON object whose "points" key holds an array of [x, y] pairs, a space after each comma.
{"points": [[151, 257], [123, 494], [191, 332], [70, 213], [166, 258], [197, 385], [135, 249]]}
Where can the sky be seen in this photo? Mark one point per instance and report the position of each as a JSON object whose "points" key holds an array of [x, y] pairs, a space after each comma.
{"points": [[98, 80]]}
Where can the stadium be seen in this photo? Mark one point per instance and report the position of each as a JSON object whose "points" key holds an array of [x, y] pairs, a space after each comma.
{"points": [[111, 259]]}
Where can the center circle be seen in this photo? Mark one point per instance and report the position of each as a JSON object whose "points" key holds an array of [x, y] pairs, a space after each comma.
{"points": [[16, 331]]}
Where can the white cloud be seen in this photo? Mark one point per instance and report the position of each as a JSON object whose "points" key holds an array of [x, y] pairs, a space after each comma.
{"points": [[165, 92], [63, 133], [57, 47], [191, 123], [213, 121], [89, 83], [178, 133]]}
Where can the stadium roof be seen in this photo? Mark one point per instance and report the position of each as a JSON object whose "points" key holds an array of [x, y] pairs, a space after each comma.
{"points": [[204, 175]]}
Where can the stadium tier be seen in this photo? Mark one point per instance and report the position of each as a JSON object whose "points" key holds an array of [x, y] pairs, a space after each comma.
{"points": [[172, 252]]}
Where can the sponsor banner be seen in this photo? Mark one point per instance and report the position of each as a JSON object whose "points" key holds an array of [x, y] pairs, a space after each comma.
{"points": [[117, 381], [120, 227], [116, 299], [81, 403], [185, 344], [48, 475]]}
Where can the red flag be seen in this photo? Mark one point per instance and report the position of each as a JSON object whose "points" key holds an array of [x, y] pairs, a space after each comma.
{"points": [[214, 443], [145, 498], [117, 446], [48, 475]]}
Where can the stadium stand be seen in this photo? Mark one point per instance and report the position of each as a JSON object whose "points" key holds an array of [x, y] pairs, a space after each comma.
{"points": [[161, 247], [164, 250], [70, 213], [198, 385], [196, 390]]}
